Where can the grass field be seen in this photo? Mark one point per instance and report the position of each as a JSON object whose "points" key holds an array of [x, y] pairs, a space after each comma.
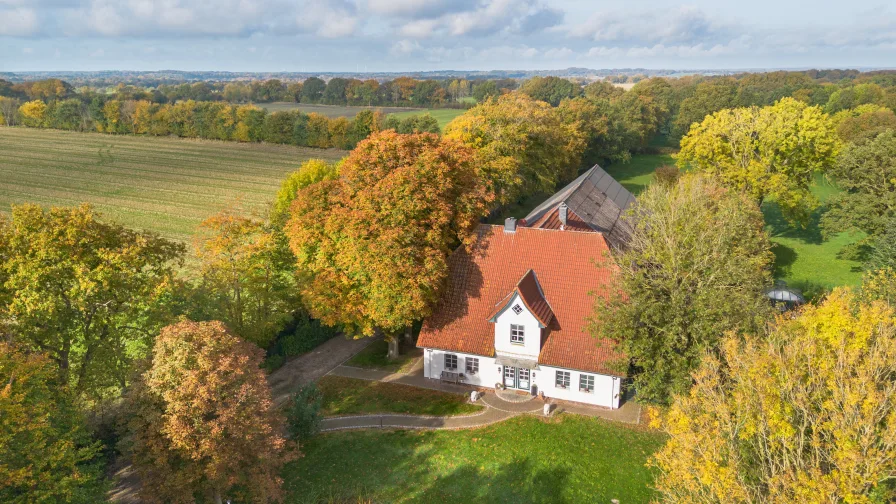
{"points": [[168, 185], [443, 116], [569, 460], [333, 110], [348, 396]]}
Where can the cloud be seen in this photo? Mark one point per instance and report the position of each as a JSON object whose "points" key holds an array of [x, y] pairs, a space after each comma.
{"points": [[417, 9], [404, 48], [479, 20], [658, 26], [18, 21]]}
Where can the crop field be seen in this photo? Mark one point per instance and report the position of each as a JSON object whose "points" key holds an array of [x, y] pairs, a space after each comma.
{"points": [[167, 185], [443, 116], [332, 111]]}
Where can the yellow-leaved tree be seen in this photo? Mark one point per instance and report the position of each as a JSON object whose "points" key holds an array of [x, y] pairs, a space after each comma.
{"points": [[771, 151], [805, 414], [34, 114]]}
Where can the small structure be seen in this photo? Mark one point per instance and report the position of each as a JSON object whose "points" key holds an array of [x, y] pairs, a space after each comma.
{"points": [[784, 297]]}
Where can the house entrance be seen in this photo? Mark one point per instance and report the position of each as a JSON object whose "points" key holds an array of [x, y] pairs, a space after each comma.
{"points": [[516, 378]]}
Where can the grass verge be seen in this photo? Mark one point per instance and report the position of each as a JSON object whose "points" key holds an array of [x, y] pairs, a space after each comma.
{"points": [[568, 460], [350, 396], [375, 356]]}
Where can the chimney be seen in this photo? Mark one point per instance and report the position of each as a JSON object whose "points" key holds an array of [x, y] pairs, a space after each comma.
{"points": [[564, 213], [510, 225]]}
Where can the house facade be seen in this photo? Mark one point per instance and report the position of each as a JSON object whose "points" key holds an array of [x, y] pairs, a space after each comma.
{"points": [[516, 315]]}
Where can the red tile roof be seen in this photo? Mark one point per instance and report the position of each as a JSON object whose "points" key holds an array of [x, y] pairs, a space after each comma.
{"points": [[551, 220], [571, 267], [530, 292]]}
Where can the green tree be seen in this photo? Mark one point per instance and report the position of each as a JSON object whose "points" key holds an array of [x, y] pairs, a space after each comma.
{"points": [[313, 90], [696, 265], [883, 248], [863, 123], [372, 246], [246, 271], [89, 294], [709, 97], [766, 152], [523, 145], [867, 175], [803, 414], [310, 172], [46, 454], [202, 423], [550, 89]]}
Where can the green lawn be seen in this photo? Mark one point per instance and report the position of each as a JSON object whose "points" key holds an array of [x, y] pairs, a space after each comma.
{"points": [[523, 460], [349, 396], [374, 356], [168, 185], [443, 116]]}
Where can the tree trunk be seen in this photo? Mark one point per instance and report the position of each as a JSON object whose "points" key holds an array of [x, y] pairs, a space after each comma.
{"points": [[218, 499], [409, 335], [393, 347]]}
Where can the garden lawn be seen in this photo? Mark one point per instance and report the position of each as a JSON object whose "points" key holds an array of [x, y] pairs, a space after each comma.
{"points": [[569, 460], [443, 116], [374, 356], [350, 396]]}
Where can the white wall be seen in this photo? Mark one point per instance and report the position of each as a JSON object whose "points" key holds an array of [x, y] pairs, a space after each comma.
{"points": [[532, 346], [606, 388], [434, 364]]}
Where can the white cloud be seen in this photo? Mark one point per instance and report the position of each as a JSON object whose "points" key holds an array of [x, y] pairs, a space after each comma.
{"points": [[404, 48], [18, 21], [558, 53]]}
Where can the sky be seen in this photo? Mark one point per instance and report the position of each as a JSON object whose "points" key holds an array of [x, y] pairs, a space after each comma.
{"points": [[416, 35]]}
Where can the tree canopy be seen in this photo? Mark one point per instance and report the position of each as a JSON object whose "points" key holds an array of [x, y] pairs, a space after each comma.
{"points": [[202, 423], [806, 413], [310, 172], [372, 245], [522, 145], [88, 293], [771, 151], [46, 454], [695, 267]]}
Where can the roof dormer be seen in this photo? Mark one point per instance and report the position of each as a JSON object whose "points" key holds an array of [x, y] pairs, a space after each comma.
{"points": [[528, 294]]}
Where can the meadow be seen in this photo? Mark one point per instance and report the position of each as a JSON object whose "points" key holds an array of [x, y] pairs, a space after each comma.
{"points": [[167, 185], [569, 459], [443, 116]]}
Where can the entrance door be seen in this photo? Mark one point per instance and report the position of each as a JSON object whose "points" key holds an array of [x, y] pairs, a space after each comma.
{"points": [[516, 378]]}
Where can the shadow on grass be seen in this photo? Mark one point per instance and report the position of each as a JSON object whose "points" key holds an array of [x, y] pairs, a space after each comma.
{"points": [[778, 226]]}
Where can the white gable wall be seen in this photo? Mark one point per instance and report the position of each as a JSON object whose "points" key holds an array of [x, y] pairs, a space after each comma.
{"points": [[434, 364], [532, 345]]}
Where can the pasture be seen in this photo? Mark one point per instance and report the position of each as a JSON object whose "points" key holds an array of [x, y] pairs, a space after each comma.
{"points": [[443, 116], [167, 185], [569, 459], [332, 111]]}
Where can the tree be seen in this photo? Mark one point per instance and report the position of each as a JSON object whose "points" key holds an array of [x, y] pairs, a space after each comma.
{"points": [[9, 111], [246, 270], [863, 123], [46, 454], [89, 294], [550, 89], [867, 175], [523, 146], [313, 90], [372, 246], [805, 414], [202, 422], [695, 267], [771, 151], [709, 97], [310, 172], [34, 114], [883, 248]]}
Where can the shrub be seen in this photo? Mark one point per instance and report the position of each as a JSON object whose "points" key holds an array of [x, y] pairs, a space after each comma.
{"points": [[307, 335], [667, 175], [304, 415]]}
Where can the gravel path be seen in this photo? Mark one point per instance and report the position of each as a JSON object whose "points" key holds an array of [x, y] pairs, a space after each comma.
{"points": [[314, 364]]}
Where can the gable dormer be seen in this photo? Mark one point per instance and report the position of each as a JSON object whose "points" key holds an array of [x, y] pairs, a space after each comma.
{"points": [[520, 319]]}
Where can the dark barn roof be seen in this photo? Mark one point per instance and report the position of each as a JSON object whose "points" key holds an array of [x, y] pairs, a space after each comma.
{"points": [[596, 202]]}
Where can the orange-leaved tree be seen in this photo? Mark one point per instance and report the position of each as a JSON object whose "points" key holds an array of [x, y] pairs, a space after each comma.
{"points": [[372, 246], [202, 422]]}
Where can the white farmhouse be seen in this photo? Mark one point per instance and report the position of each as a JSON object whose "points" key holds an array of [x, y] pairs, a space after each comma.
{"points": [[516, 309]]}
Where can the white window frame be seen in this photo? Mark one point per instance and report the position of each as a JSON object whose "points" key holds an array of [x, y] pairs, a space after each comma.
{"points": [[448, 358], [584, 381], [518, 334], [517, 309], [562, 379], [471, 366]]}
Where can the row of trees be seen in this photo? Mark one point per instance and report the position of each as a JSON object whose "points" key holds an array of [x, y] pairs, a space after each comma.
{"points": [[209, 120]]}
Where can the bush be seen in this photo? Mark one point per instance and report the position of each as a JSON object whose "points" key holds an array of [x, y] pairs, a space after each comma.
{"points": [[667, 175], [304, 415], [307, 335]]}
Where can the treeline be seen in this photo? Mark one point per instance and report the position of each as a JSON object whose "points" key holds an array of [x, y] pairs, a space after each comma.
{"points": [[209, 120], [399, 92]]}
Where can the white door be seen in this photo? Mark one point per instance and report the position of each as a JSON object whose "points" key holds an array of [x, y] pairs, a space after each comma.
{"points": [[523, 379], [509, 377]]}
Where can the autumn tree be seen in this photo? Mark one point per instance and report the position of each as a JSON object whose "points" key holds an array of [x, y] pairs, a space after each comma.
{"points": [[88, 293], [246, 273], [695, 267], [550, 89], [863, 123], [34, 114], [9, 111], [802, 414], [202, 423], [372, 246], [46, 454], [867, 175], [523, 146], [310, 172], [766, 152]]}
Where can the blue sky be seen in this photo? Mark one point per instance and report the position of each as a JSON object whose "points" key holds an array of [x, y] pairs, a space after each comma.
{"points": [[406, 35]]}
